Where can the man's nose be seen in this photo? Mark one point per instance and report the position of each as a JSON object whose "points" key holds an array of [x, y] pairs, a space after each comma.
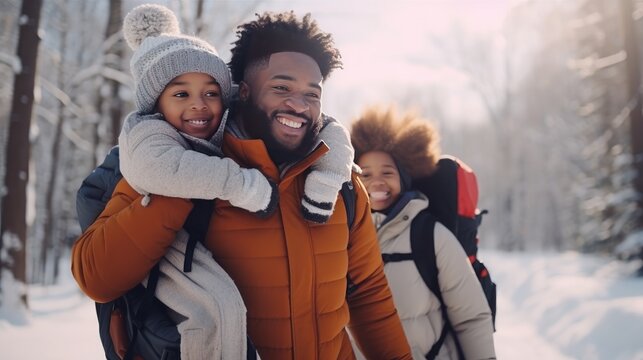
{"points": [[297, 103]]}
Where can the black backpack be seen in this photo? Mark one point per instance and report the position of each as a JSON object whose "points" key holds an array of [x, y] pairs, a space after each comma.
{"points": [[151, 332], [453, 196]]}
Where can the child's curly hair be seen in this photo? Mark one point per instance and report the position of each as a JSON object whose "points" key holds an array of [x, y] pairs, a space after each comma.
{"points": [[411, 141], [279, 32]]}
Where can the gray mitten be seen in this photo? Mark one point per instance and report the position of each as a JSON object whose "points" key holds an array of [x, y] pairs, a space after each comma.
{"points": [[257, 194], [328, 173]]}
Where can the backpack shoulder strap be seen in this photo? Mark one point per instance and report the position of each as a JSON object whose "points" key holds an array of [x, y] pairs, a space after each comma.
{"points": [[348, 194], [423, 253], [196, 225], [423, 250]]}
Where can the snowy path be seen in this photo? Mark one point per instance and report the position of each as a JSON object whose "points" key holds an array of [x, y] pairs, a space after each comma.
{"points": [[566, 306], [516, 338], [62, 325], [551, 306]]}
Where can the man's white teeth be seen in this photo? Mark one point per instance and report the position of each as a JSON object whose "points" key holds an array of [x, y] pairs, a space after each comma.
{"points": [[289, 123], [198, 122]]}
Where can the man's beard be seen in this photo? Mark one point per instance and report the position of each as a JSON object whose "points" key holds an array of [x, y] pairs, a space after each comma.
{"points": [[257, 124]]}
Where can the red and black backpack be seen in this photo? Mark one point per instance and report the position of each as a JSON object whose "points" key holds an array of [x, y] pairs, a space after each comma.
{"points": [[453, 200], [452, 190]]}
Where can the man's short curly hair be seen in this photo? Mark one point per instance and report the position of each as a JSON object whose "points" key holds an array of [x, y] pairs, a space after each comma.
{"points": [[279, 32]]}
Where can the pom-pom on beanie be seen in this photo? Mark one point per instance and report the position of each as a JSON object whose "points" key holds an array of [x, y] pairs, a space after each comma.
{"points": [[162, 53]]}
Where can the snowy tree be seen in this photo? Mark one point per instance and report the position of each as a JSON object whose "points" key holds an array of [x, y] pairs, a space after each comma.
{"points": [[9, 65], [84, 89], [558, 172], [13, 227], [632, 221], [608, 197], [633, 35]]}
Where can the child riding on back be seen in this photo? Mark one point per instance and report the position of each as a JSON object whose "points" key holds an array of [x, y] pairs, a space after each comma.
{"points": [[172, 144]]}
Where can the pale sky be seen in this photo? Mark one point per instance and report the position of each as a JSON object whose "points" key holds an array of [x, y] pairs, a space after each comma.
{"points": [[386, 49]]}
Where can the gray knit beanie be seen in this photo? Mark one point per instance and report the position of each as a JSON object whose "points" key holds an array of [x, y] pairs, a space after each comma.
{"points": [[161, 53]]}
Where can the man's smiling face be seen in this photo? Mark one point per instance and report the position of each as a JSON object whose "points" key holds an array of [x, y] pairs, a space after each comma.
{"points": [[287, 91]]}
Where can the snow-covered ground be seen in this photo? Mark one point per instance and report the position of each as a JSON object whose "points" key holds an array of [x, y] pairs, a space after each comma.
{"points": [[567, 306], [550, 306]]}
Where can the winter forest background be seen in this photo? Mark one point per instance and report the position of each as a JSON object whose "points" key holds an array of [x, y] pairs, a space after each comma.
{"points": [[541, 97]]}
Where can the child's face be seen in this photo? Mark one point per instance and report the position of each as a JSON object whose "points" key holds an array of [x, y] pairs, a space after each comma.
{"points": [[192, 103], [381, 178]]}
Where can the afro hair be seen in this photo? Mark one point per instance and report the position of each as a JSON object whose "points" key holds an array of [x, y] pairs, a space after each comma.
{"points": [[411, 141], [279, 32]]}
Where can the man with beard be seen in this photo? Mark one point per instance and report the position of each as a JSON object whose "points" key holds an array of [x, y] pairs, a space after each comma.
{"points": [[300, 309], [292, 273]]}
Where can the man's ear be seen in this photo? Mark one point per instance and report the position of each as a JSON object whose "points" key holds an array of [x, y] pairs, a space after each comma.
{"points": [[244, 91]]}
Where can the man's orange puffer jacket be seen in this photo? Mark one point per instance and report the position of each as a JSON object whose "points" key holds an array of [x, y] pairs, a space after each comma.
{"points": [[291, 273]]}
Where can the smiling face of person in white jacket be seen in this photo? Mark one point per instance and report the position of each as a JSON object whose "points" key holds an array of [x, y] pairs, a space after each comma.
{"points": [[192, 103], [381, 177]]}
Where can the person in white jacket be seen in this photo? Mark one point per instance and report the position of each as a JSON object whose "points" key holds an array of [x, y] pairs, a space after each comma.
{"points": [[391, 150]]}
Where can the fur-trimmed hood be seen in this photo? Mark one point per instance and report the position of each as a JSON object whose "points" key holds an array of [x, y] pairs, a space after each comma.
{"points": [[413, 142]]}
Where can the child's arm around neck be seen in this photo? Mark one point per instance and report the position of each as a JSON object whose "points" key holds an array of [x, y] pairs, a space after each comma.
{"points": [[156, 159]]}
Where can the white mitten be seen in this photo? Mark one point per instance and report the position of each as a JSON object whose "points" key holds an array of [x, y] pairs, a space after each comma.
{"points": [[320, 194], [328, 173], [257, 194]]}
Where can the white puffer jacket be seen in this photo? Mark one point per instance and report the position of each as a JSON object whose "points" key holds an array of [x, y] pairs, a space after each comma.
{"points": [[417, 306]]}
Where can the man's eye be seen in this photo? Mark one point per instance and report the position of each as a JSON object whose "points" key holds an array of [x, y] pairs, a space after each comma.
{"points": [[181, 94], [313, 95], [280, 88], [212, 94]]}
